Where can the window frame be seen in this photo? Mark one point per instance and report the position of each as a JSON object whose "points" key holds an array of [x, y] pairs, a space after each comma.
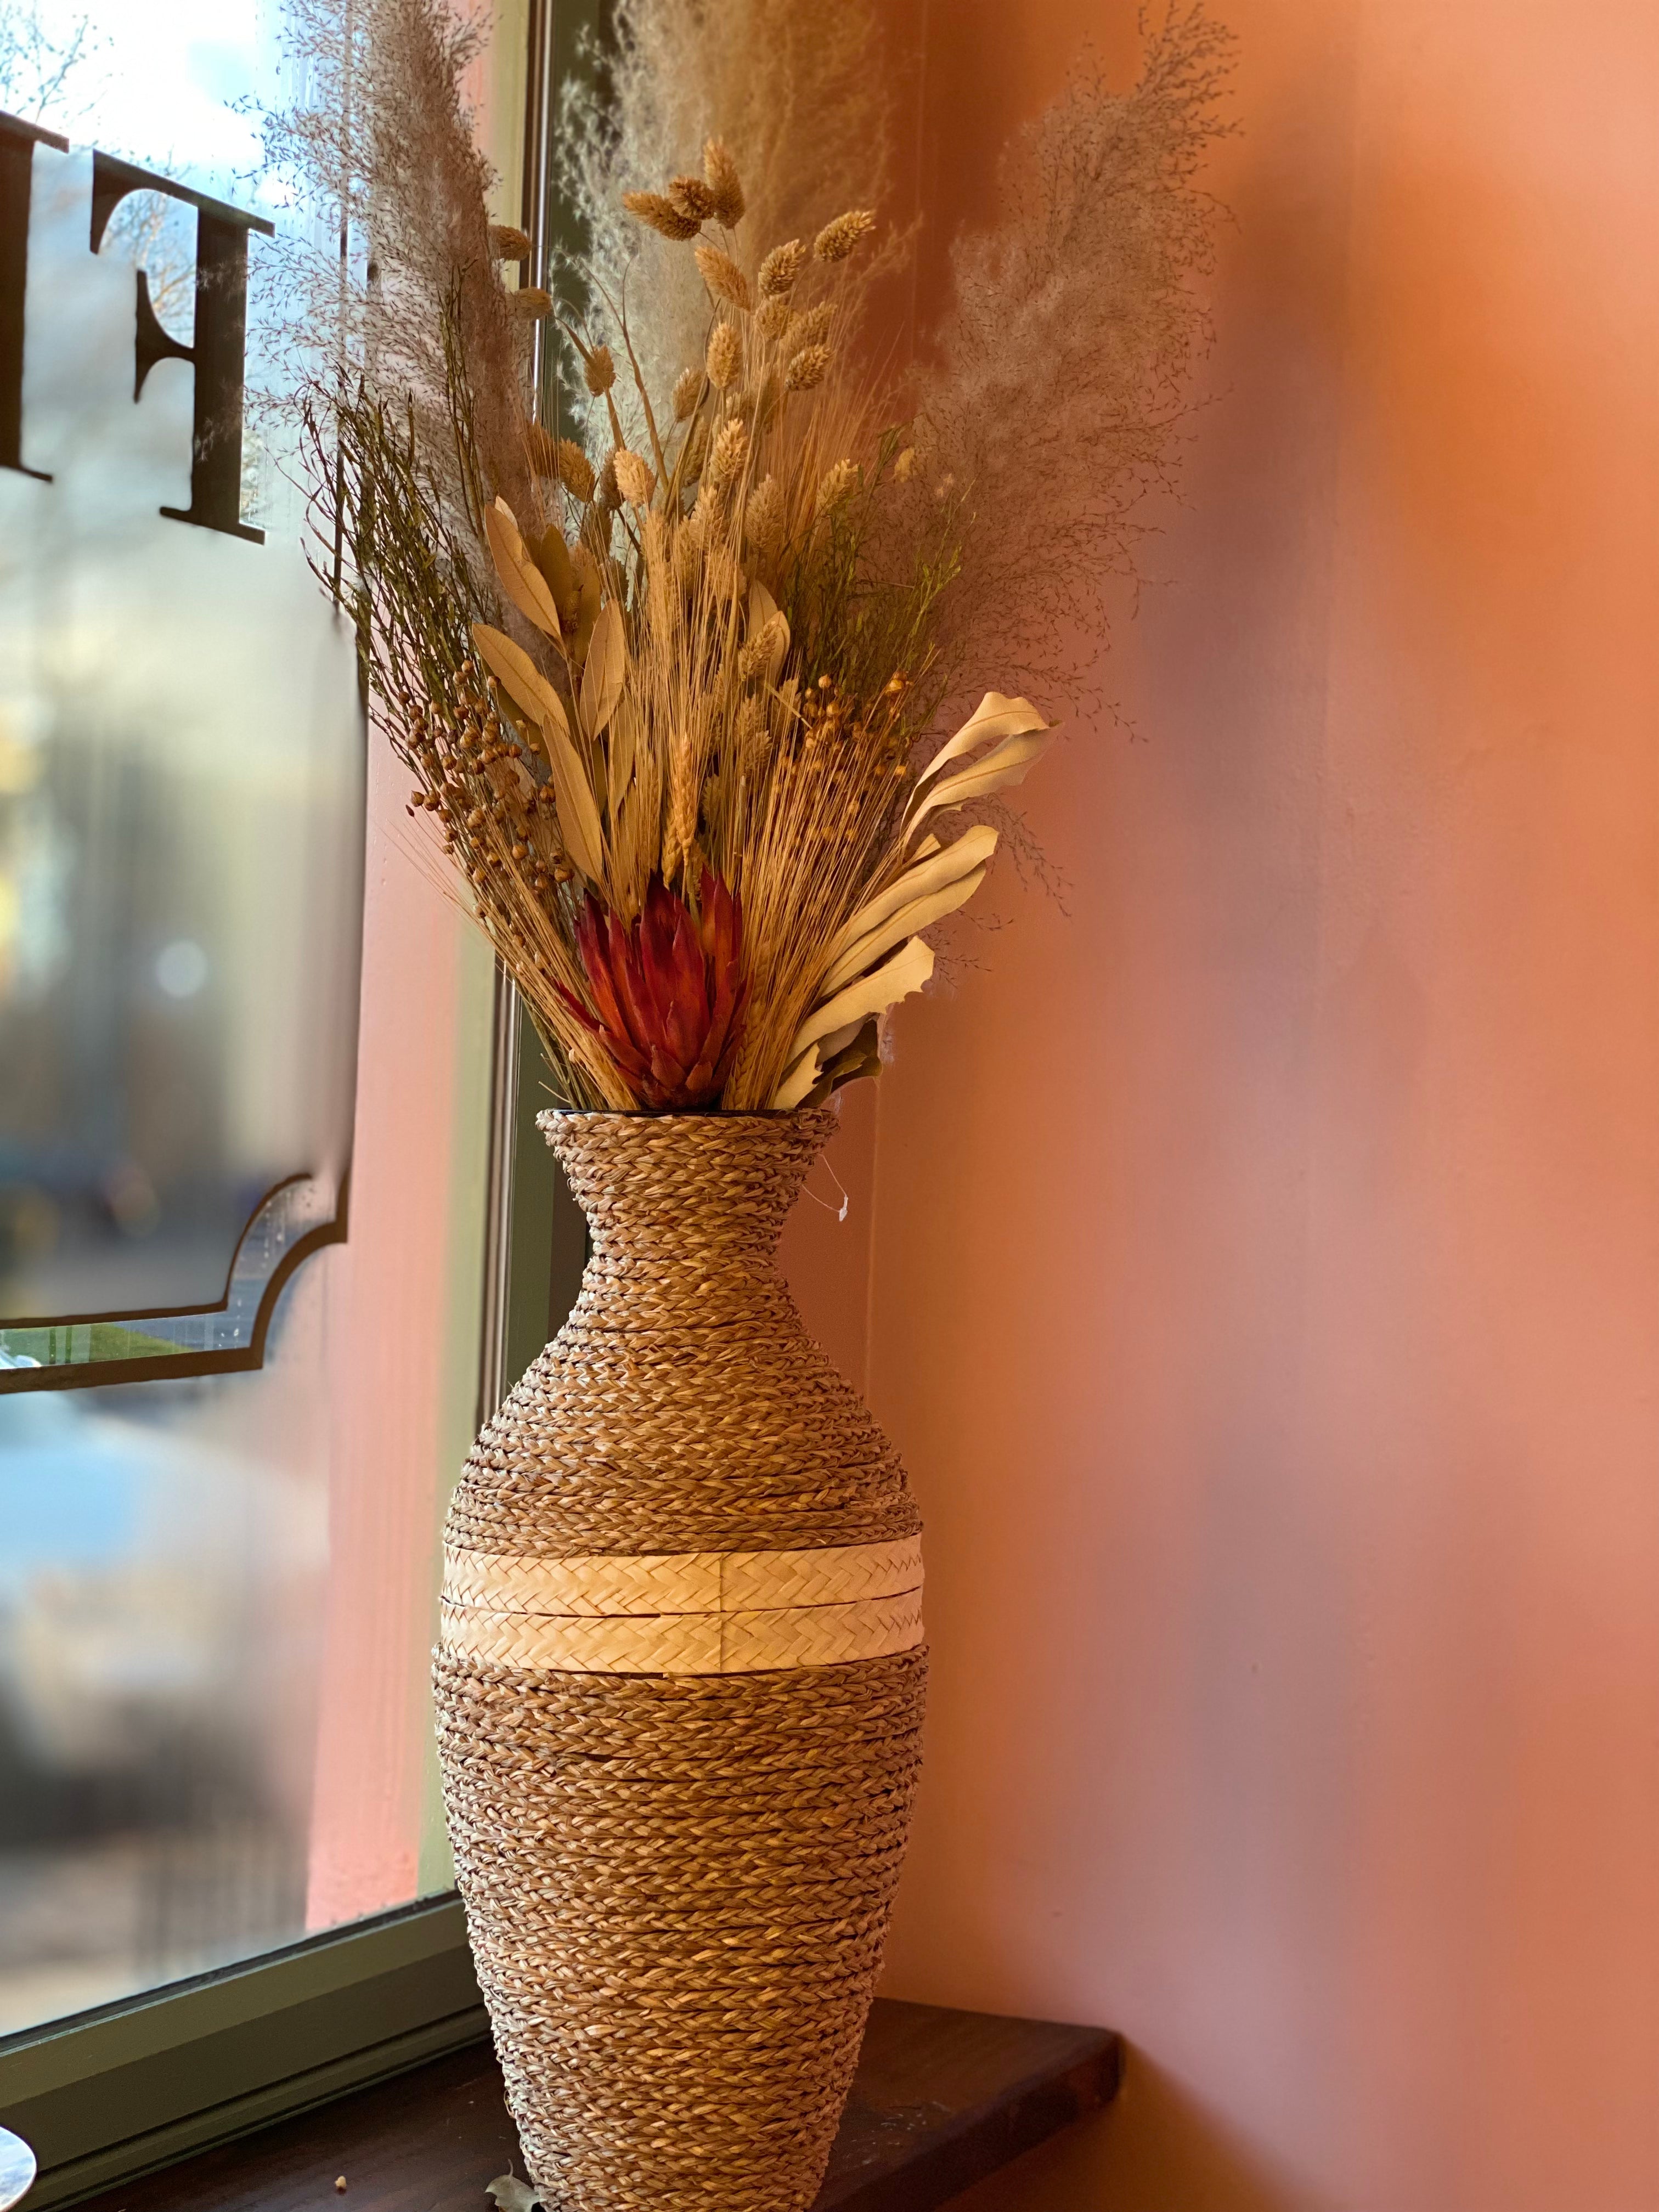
{"points": [[105, 2095]]}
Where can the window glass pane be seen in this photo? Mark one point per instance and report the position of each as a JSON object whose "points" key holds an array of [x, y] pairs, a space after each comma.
{"points": [[225, 1048]]}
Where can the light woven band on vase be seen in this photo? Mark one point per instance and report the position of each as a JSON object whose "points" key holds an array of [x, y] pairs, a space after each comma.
{"points": [[683, 1613]]}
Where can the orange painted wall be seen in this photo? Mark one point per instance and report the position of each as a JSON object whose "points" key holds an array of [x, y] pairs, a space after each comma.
{"points": [[1264, 1254]]}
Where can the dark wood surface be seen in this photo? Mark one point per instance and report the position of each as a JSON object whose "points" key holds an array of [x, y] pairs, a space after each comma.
{"points": [[941, 2099]]}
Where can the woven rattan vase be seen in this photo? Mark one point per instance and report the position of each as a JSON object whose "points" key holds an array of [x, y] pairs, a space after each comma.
{"points": [[680, 1685]]}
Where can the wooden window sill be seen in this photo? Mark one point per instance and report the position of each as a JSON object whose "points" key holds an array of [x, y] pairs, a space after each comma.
{"points": [[941, 2099]]}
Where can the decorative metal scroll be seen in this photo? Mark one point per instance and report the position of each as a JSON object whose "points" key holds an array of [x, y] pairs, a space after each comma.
{"points": [[181, 813]]}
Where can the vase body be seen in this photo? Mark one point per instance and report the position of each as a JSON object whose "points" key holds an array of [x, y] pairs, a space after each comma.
{"points": [[679, 1685]]}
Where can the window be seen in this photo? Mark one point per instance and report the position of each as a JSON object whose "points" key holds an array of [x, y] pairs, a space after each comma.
{"points": [[224, 1889]]}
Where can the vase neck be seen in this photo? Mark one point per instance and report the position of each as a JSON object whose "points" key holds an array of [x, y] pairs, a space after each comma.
{"points": [[708, 1189]]}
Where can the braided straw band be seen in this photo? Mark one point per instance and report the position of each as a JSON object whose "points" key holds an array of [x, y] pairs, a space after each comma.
{"points": [[683, 1613]]}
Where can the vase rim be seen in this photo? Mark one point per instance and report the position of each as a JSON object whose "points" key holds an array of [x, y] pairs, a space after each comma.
{"points": [[777, 1116]]}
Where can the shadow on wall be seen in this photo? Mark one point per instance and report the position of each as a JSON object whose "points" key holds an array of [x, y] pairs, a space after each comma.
{"points": [[1157, 2150]]}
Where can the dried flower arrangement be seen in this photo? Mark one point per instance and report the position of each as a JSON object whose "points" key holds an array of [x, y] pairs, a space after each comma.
{"points": [[670, 675]]}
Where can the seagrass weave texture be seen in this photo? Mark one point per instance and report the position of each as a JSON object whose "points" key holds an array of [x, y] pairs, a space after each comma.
{"points": [[677, 1881]]}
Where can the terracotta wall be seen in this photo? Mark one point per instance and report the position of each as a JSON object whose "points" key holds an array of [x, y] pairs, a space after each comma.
{"points": [[1263, 1255]]}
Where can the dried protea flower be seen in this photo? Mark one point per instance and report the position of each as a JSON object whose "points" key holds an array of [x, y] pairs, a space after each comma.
{"points": [[573, 469], [599, 370], [905, 467], [813, 327], [506, 244], [726, 462], [763, 517], [806, 367], [669, 992], [837, 483], [635, 480], [725, 355], [773, 317], [723, 277], [844, 235], [693, 199], [661, 214], [530, 303], [720, 173], [688, 390], [782, 266]]}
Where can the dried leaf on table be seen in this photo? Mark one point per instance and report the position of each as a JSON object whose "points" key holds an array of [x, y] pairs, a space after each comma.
{"points": [[512, 2195]]}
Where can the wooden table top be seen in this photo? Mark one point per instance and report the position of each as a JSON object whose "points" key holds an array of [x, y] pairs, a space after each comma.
{"points": [[941, 2099]]}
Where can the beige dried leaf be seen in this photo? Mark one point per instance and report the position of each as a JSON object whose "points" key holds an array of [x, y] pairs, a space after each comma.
{"points": [[1010, 762], [636, 479], [844, 235], [512, 2195], [661, 214], [919, 915], [930, 872], [521, 579], [725, 360], [781, 268], [606, 670], [573, 794], [720, 174], [721, 273], [516, 672], [995, 718], [906, 971]]}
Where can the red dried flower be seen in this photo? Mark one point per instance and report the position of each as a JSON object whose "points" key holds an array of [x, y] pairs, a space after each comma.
{"points": [[670, 992]]}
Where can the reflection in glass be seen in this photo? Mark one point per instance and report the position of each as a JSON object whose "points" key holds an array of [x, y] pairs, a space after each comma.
{"points": [[159, 1589], [180, 829]]}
